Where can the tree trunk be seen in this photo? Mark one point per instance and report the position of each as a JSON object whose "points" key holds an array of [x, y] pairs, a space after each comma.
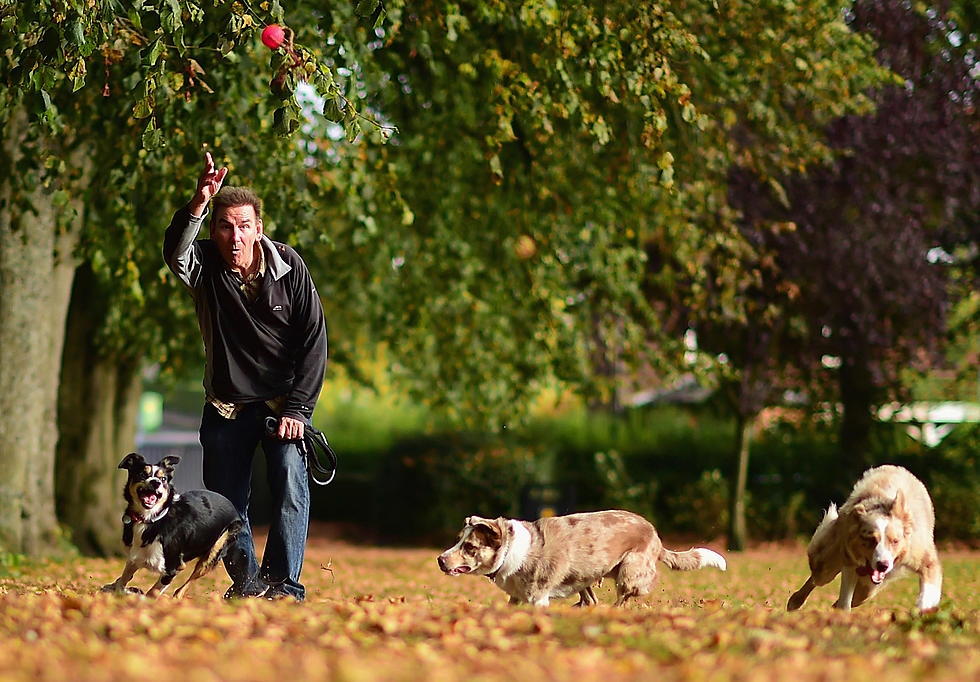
{"points": [[737, 533], [35, 278], [857, 394], [97, 408]]}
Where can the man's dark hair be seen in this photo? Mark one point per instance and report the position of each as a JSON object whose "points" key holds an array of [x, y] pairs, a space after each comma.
{"points": [[228, 197]]}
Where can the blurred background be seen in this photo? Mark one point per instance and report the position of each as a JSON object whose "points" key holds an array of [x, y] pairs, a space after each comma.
{"points": [[703, 260]]}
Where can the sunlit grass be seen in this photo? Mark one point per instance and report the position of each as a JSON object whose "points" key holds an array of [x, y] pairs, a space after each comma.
{"points": [[389, 614]]}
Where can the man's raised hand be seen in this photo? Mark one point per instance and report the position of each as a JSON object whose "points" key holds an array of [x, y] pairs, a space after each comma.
{"points": [[208, 185]]}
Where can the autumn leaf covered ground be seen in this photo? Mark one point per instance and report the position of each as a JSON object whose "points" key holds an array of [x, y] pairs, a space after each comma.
{"points": [[388, 614]]}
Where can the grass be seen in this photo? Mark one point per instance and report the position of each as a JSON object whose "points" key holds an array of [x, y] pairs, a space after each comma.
{"points": [[378, 613]]}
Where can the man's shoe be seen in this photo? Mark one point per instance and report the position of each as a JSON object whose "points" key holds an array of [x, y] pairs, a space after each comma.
{"points": [[277, 593], [253, 588]]}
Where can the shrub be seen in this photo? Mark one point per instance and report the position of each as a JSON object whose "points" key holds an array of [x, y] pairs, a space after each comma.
{"points": [[427, 485], [699, 507], [673, 465]]}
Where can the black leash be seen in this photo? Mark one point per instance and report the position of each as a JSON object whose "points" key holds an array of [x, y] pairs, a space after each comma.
{"points": [[313, 446]]}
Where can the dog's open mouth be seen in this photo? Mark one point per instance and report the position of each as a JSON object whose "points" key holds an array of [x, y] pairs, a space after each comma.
{"points": [[460, 570], [148, 500], [877, 577]]}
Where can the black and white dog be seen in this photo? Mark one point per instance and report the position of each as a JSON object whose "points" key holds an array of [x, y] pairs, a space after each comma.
{"points": [[164, 530]]}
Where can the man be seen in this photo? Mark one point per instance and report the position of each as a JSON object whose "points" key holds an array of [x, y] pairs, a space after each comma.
{"points": [[266, 346]]}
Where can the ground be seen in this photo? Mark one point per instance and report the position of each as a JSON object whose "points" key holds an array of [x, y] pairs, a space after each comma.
{"points": [[382, 613]]}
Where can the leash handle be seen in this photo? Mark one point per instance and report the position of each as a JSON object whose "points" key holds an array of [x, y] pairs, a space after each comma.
{"points": [[312, 439], [271, 425]]}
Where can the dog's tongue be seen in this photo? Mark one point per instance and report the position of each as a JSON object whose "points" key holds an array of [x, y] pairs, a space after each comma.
{"points": [[876, 576], [149, 500]]}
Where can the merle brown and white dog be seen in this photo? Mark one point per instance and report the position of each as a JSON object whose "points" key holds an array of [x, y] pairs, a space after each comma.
{"points": [[164, 530], [884, 527], [537, 561]]}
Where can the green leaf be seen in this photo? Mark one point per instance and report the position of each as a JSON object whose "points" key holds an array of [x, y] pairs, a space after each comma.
{"points": [[353, 128], [170, 21], [152, 54], [42, 102], [153, 137], [365, 8], [285, 121], [333, 109], [143, 108], [75, 33]]}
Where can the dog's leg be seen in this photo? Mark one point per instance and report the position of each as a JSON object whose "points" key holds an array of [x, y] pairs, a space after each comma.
{"points": [[202, 566], [119, 586], [540, 598], [635, 575], [162, 584], [930, 584], [848, 581], [796, 601], [587, 597]]}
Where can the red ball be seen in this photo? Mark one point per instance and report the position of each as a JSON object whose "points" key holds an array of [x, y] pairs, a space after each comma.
{"points": [[273, 36]]}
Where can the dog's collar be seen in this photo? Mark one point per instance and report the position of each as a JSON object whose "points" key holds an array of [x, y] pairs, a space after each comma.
{"points": [[512, 559], [132, 517]]}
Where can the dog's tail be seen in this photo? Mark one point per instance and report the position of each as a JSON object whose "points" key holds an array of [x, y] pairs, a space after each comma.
{"points": [[698, 557], [826, 524]]}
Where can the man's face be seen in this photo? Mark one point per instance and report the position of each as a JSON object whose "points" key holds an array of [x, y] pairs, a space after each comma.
{"points": [[235, 230]]}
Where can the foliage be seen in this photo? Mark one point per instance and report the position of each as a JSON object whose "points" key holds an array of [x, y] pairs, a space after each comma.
{"points": [[389, 614], [590, 130], [853, 247], [671, 464], [429, 484], [953, 475], [700, 507], [651, 105], [164, 53], [620, 491]]}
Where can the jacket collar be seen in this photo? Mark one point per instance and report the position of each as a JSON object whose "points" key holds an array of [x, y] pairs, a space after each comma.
{"points": [[274, 263]]}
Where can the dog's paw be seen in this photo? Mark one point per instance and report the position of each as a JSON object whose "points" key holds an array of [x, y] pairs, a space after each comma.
{"points": [[112, 588]]}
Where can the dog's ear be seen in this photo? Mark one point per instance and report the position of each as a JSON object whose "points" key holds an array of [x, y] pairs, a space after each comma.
{"points": [[900, 507], [489, 524], [169, 463], [133, 460]]}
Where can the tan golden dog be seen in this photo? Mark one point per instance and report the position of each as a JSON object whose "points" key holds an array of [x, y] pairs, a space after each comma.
{"points": [[551, 558], [886, 525]]}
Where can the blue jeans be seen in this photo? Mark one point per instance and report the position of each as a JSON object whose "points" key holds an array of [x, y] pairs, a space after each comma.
{"points": [[229, 446]]}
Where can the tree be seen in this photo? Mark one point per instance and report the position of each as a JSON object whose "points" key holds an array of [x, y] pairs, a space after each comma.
{"points": [[866, 233], [712, 272], [77, 75], [590, 131]]}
